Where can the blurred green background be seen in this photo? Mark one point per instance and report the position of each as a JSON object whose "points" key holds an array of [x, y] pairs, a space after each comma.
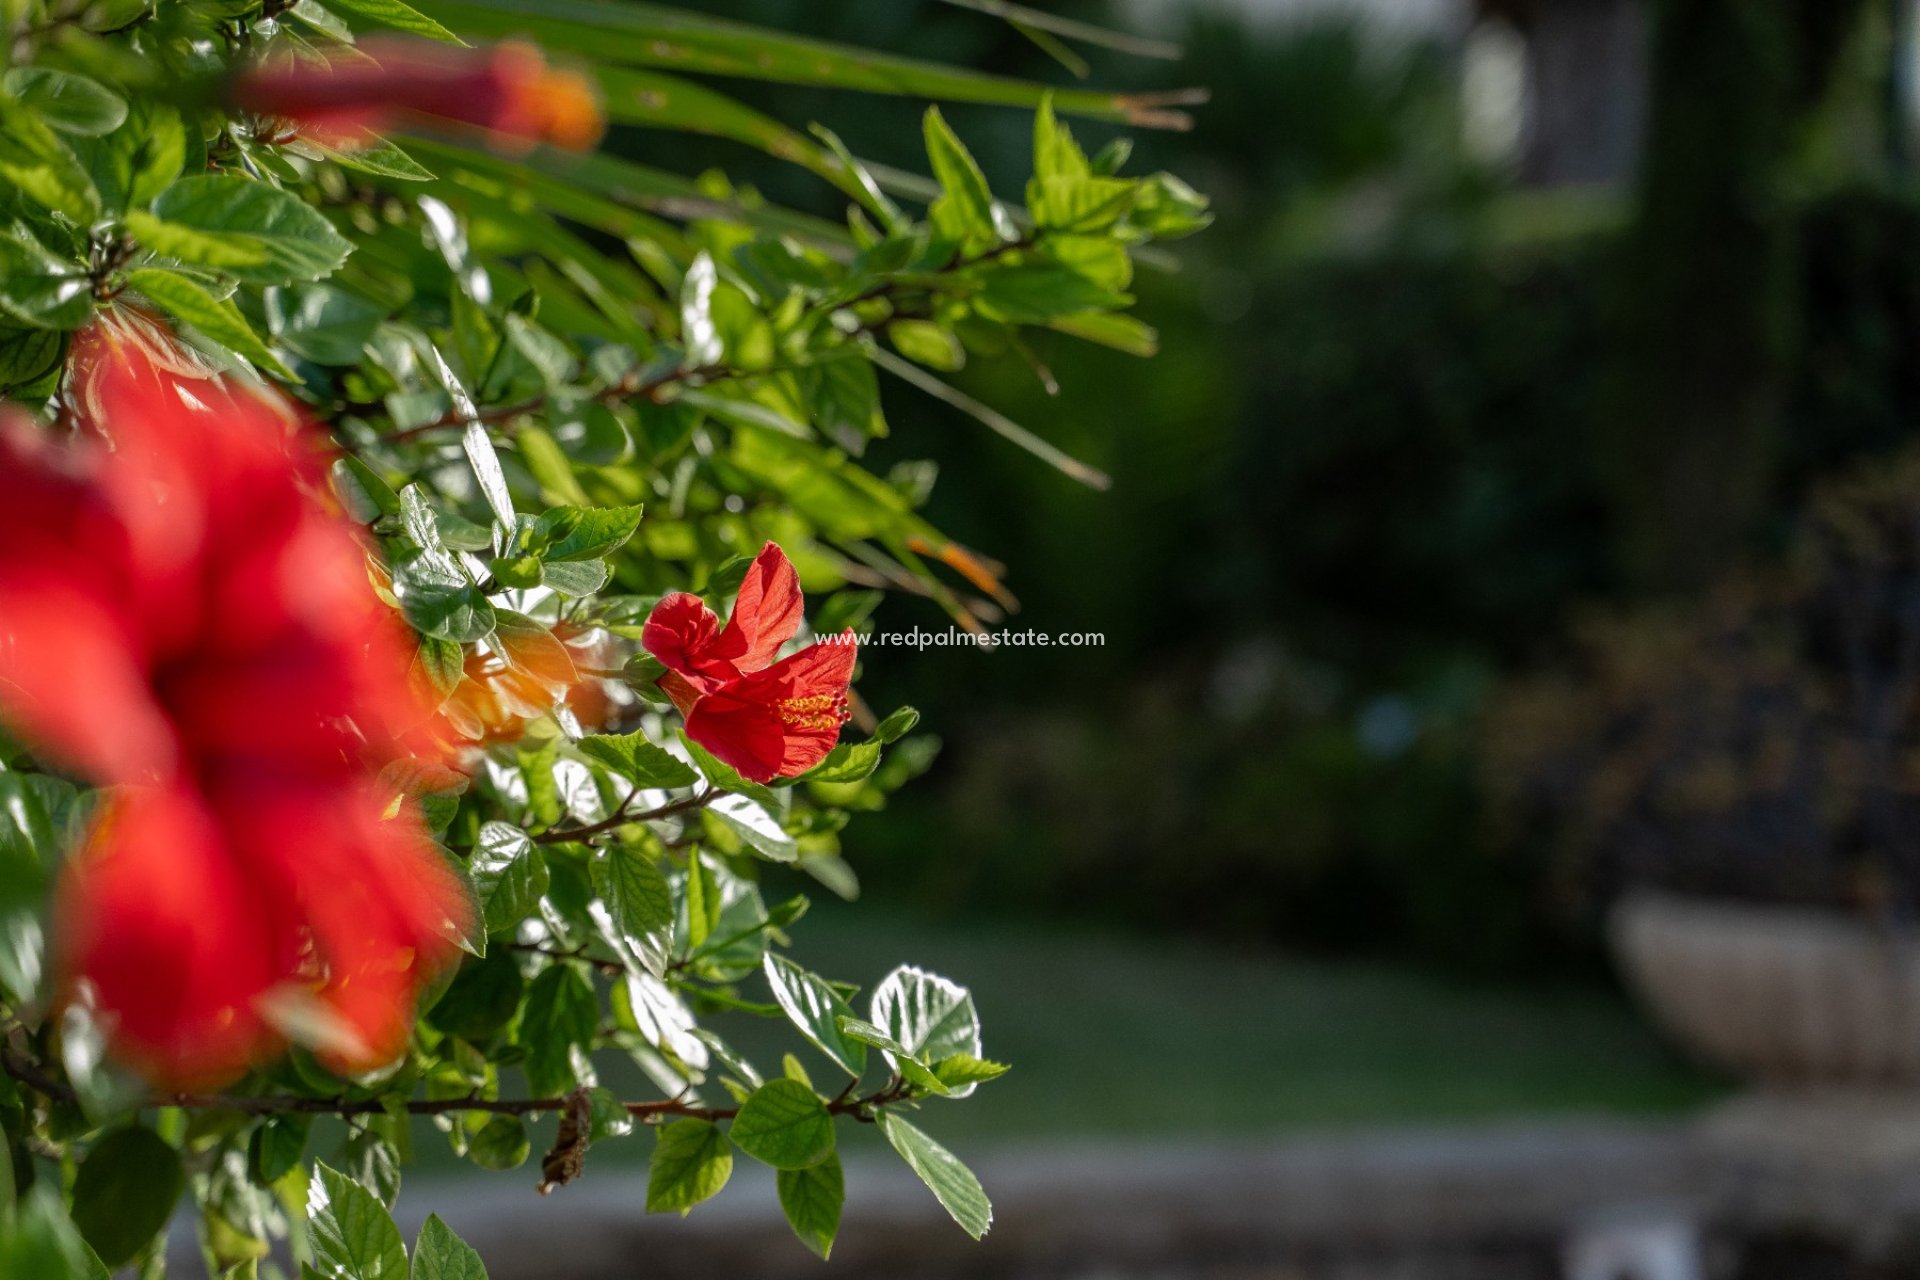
{"points": [[1512, 313]]}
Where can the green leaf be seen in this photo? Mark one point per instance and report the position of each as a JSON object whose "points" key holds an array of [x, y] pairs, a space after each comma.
{"points": [[400, 17], [784, 1124], [904, 1061], [812, 1198], [509, 873], [844, 397], [848, 762], [36, 160], [362, 491], [475, 441], [692, 1161], [40, 289], [125, 1192], [352, 1236], [385, 160], [659, 35], [816, 1009], [638, 902], [217, 318], [562, 1013], [1035, 293], [897, 726], [501, 1144], [1121, 332], [965, 209], [150, 151], [951, 1182], [575, 577], [927, 343], [639, 761], [440, 1254], [70, 103], [481, 1000], [930, 1016], [1055, 153], [965, 1069], [295, 241], [276, 1147], [440, 600], [322, 324], [38, 1240], [574, 533], [27, 356]]}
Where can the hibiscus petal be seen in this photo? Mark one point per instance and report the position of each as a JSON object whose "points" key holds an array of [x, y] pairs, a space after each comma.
{"points": [[766, 612], [782, 721], [176, 940]]}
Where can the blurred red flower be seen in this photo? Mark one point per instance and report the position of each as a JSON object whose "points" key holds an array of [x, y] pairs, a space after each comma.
{"points": [[766, 719], [181, 616], [507, 90]]}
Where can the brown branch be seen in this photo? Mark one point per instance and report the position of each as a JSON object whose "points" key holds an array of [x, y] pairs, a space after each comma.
{"points": [[621, 818], [27, 1071]]}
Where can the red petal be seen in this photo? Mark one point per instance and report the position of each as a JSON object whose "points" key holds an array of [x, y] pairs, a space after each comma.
{"points": [[176, 940], [782, 721], [766, 612], [681, 632]]}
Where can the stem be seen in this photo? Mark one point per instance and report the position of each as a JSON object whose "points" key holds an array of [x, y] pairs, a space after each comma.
{"points": [[29, 1072], [621, 818]]}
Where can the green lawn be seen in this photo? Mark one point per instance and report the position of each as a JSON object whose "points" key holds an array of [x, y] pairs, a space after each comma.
{"points": [[1112, 1035], [1124, 1037]]}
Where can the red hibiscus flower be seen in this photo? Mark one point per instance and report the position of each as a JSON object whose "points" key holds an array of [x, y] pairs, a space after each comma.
{"points": [[766, 719], [182, 617], [507, 90]]}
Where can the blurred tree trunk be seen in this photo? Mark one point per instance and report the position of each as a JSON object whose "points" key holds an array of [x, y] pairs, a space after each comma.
{"points": [[1708, 307]]}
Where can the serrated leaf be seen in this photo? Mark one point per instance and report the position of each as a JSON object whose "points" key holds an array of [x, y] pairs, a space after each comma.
{"points": [[965, 209], [848, 762], [964, 1069], [812, 1199], [929, 1015], [561, 1013], [816, 1009], [587, 533], [216, 318], [784, 1124], [383, 158], [296, 240], [39, 288], [398, 16], [691, 1163], [352, 1236], [638, 760], [575, 577], [27, 356], [904, 1060], [509, 873], [439, 599], [442, 1255], [639, 904], [951, 1182]]}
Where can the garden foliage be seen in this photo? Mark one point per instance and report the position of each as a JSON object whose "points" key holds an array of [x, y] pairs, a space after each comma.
{"points": [[530, 392]]}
